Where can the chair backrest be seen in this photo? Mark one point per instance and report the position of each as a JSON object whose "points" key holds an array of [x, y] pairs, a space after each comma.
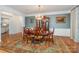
{"points": [[25, 30]]}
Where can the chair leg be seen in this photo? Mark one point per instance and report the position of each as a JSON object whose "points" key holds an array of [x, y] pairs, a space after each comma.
{"points": [[52, 39]]}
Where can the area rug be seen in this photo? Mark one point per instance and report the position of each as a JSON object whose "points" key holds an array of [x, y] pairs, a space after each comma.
{"points": [[57, 47]]}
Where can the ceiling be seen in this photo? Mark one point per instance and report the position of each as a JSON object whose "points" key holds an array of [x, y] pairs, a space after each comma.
{"points": [[33, 9]]}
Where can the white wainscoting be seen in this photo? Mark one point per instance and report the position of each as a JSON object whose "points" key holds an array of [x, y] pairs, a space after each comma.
{"points": [[61, 32]]}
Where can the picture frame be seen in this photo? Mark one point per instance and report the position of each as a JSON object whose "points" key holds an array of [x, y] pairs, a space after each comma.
{"points": [[60, 19]]}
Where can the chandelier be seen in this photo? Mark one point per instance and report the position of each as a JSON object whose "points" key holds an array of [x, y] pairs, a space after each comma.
{"points": [[39, 17]]}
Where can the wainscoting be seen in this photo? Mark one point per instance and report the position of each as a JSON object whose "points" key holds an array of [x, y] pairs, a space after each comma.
{"points": [[61, 32]]}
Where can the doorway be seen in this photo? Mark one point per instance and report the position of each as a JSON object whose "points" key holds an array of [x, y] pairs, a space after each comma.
{"points": [[4, 28]]}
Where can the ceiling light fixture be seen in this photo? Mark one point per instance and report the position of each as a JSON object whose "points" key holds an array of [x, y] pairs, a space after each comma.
{"points": [[39, 17]]}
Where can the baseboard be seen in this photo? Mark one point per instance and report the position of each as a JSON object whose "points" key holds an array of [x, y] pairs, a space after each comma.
{"points": [[76, 40]]}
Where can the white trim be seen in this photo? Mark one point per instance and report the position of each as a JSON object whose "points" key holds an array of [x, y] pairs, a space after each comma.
{"points": [[61, 32], [75, 6], [50, 13], [76, 40]]}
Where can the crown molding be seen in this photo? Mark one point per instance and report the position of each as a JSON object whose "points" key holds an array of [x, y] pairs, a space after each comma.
{"points": [[74, 7], [9, 10], [49, 13]]}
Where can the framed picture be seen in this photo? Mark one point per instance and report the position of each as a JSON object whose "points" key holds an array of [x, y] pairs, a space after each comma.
{"points": [[60, 19], [29, 20]]}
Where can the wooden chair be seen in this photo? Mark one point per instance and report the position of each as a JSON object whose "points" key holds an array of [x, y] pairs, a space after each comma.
{"points": [[52, 35], [25, 30], [26, 35], [49, 37]]}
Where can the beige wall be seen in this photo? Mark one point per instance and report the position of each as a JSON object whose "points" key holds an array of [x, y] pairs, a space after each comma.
{"points": [[15, 24]]}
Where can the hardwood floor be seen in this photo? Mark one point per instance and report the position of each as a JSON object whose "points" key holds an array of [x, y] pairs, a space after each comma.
{"points": [[61, 44]]}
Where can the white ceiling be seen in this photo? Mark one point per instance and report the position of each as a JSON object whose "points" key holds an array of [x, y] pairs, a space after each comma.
{"points": [[33, 9]]}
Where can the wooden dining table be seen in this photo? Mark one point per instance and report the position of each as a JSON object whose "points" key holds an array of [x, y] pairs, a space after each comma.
{"points": [[38, 37]]}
